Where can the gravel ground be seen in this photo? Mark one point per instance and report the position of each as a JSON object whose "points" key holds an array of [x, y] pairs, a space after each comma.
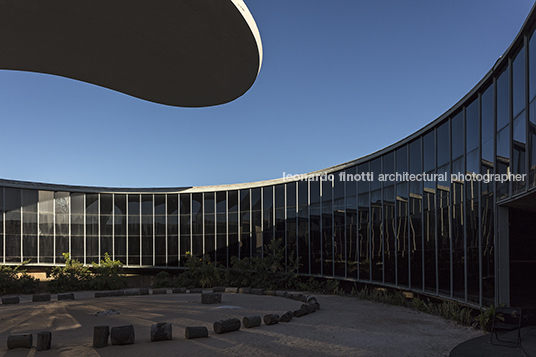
{"points": [[342, 327]]}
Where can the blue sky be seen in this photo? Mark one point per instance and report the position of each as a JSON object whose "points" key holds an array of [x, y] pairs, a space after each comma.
{"points": [[340, 79]]}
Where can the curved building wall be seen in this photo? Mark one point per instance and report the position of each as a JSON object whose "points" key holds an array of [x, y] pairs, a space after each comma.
{"points": [[368, 220]]}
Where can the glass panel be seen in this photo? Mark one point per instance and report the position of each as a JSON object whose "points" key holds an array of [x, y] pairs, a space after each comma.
{"points": [[160, 239], [105, 204], [210, 237], [159, 205], [232, 203], [457, 137], [458, 252], [472, 129], [184, 203], [315, 235], [376, 169], [257, 233], [518, 82], [92, 203], [364, 236], [389, 255], [338, 185], [415, 161], [402, 242], [29, 200], [487, 124], [503, 108], [172, 204], [133, 240], [429, 224], [532, 72], [233, 234], [363, 185], [376, 236], [291, 249], [256, 199], [77, 203], [303, 237], [221, 202], [443, 237], [503, 160], [197, 204], [429, 153], [245, 231], [488, 251], [280, 196], [291, 194], [209, 202], [120, 204], [443, 144], [303, 193], [267, 198]]}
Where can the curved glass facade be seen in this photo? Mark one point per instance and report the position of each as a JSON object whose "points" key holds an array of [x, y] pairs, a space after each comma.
{"points": [[432, 213]]}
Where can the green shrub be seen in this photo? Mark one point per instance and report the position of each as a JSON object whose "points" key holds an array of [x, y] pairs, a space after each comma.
{"points": [[108, 275], [201, 273], [74, 276], [14, 280]]}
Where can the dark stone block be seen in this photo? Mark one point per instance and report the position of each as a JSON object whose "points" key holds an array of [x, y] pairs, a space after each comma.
{"points": [[161, 332], [286, 317], [131, 292], [271, 319], [117, 293], [69, 296], [20, 341], [196, 332], [251, 321], [44, 340], [228, 325], [40, 297], [218, 289], [122, 335], [196, 291], [101, 294], [178, 290], [159, 291], [100, 336], [257, 291], [144, 291], [10, 300]]}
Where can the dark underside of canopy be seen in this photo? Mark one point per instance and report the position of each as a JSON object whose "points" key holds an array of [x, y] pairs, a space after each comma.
{"points": [[188, 53]]}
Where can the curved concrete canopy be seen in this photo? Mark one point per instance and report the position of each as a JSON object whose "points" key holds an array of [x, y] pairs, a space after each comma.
{"points": [[188, 53]]}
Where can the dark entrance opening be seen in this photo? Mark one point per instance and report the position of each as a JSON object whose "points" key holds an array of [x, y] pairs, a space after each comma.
{"points": [[522, 236]]}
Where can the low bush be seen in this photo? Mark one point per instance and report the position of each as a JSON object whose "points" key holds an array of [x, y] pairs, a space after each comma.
{"points": [[108, 275], [14, 280], [75, 276]]}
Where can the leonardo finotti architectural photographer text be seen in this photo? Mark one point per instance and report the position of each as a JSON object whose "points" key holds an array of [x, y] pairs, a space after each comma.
{"points": [[406, 176]]}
